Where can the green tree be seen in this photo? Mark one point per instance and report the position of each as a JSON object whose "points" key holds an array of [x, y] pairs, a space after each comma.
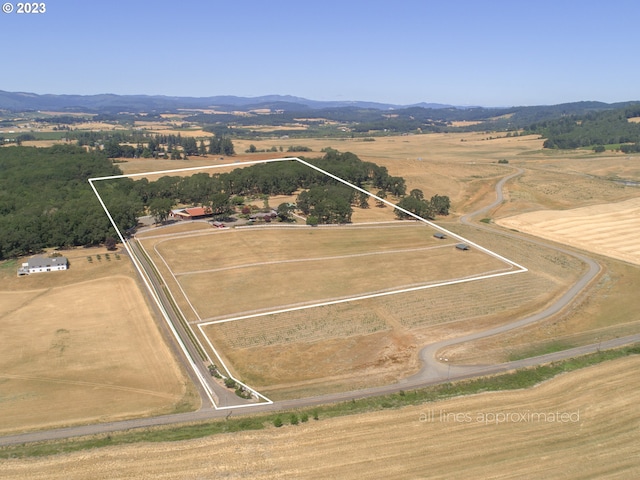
{"points": [[363, 200], [220, 204], [202, 149], [441, 204], [110, 243], [417, 193], [160, 208], [284, 212], [421, 208]]}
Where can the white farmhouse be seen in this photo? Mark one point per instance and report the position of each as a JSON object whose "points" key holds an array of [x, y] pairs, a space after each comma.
{"points": [[39, 264]]}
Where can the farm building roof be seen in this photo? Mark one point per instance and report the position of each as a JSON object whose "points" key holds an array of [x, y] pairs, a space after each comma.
{"points": [[198, 211], [41, 262]]}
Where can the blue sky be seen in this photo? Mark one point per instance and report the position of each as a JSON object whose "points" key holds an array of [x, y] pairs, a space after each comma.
{"points": [[490, 53]]}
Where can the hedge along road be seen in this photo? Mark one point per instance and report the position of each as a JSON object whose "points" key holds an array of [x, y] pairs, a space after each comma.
{"points": [[432, 372]]}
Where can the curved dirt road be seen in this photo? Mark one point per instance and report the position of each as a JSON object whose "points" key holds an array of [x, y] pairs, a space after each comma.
{"points": [[434, 369]]}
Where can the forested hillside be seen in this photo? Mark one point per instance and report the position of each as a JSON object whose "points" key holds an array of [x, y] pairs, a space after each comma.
{"points": [[593, 129]]}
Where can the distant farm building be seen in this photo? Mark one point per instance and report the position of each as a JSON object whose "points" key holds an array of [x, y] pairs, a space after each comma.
{"points": [[191, 213], [462, 246], [40, 264], [439, 235], [264, 216]]}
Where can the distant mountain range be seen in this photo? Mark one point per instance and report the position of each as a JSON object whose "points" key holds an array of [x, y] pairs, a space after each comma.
{"points": [[22, 101]]}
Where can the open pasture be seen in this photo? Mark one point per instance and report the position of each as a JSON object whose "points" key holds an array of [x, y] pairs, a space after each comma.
{"points": [[373, 341], [228, 272], [81, 346]]}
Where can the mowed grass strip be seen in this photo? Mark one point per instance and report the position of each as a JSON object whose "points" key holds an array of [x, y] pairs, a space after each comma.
{"points": [[276, 285], [235, 247], [608, 229]]}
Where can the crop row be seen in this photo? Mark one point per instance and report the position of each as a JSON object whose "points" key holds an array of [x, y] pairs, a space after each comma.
{"points": [[321, 323], [468, 301]]}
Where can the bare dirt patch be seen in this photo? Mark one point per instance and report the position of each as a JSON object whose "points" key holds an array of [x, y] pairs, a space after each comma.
{"points": [[407, 442]]}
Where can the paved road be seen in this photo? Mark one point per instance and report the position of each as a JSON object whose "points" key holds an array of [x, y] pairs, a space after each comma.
{"points": [[433, 371]]}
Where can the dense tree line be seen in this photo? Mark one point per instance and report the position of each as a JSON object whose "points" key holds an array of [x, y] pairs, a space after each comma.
{"points": [[64, 119], [591, 129], [278, 178], [46, 201], [97, 138], [119, 144]]}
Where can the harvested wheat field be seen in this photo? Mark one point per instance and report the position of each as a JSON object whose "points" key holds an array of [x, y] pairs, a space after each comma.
{"points": [[81, 346], [579, 425], [609, 229]]}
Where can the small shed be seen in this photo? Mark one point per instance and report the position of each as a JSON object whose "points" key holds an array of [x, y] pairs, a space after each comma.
{"points": [[462, 246], [440, 235]]}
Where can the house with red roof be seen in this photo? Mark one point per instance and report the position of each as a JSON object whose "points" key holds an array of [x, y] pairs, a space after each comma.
{"points": [[191, 213]]}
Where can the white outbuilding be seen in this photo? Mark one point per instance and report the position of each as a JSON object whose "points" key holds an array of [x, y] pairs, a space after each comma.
{"points": [[40, 264]]}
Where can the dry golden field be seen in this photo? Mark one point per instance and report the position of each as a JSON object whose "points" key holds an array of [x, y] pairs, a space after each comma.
{"points": [[81, 346], [375, 341], [268, 268], [463, 166], [229, 272], [611, 229], [575, 426]]}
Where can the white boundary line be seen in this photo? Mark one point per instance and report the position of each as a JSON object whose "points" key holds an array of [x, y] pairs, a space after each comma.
{"points": [[520, 268], [165, 315]]}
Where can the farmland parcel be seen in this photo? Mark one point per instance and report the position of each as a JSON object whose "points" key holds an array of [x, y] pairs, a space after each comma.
{"points": [[227, 275]]}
